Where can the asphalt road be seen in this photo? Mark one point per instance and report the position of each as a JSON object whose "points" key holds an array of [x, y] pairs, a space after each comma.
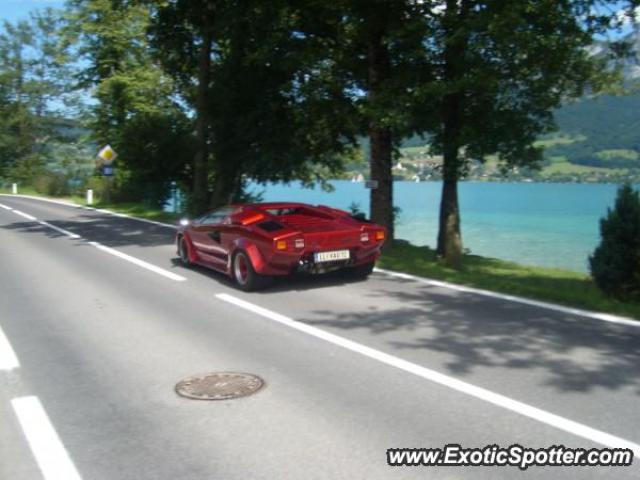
{"points": [[98, 322]]}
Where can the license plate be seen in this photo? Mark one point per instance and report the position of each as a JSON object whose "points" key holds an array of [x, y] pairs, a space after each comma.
{"points": [[331, 256]]}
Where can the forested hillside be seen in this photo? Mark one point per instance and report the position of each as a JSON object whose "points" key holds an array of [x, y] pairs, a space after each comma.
{"points": [[605, 130]]}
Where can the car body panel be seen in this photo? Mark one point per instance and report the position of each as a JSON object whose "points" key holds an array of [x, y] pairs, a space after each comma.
{"points": [[281, 238]]}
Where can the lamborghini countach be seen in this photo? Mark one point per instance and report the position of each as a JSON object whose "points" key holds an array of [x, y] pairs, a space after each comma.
{"points": [[253, 243]]}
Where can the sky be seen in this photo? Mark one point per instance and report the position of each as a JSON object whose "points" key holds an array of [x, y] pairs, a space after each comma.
{"points": [[13, 10]]}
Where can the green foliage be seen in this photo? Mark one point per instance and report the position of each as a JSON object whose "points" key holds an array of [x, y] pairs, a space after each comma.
{"points": [[155, 147], [553, 285], [615, 263], [271, 109], [354, 208], [136, 111], [33, 91], [519, 61], [605, 124], [51, 184]]}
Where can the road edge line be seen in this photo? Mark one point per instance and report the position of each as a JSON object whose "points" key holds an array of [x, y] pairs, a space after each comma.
{"points": [[85, 207], [605, 317], [542, 416]]}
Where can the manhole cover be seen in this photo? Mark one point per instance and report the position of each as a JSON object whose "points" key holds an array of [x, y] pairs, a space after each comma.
{"points": [[219, 386]]}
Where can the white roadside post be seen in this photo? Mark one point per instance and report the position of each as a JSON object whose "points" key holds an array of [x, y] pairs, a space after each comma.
{"points": [[89, 196], [14, 188]]}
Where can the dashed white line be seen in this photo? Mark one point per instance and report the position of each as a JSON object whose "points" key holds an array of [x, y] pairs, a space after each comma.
{"points": [[140, 263], [25, 215], [6, 207], [61, 230], [8, 359], [45, 444], [516, 406], [111, 251]]}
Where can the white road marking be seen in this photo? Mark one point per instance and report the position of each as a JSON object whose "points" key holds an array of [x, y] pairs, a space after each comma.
{"points": [[46, 446], [140, 263], [6, 207], [8, 359], [61, 230], [101, 210], [540, 415], [112, 251], [25, 215], [605, 317]]}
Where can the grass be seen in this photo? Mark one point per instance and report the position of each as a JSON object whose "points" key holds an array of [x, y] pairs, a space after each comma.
{"points": [[31, 191], [559, 140], [569, 168], [141, 211], [558, 286]]}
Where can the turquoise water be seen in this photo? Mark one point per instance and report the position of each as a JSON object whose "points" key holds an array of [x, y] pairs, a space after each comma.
{"points": [[544, 224]]}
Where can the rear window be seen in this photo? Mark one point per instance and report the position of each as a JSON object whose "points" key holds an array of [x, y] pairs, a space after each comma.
{"points": [[283, 211], [270, 226]]}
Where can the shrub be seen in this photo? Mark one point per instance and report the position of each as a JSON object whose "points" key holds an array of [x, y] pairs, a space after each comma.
{"points": [[51, 183], [615, 263]]}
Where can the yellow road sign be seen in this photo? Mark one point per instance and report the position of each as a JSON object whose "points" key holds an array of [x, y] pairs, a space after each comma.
{"points": [[107, 154]]}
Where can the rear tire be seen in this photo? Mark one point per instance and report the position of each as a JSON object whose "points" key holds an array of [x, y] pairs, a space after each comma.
{"points": [[183, 252], [244, 275], [360, 272]]}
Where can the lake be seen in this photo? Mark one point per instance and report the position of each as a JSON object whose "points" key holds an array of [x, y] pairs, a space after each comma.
{"points": [[544, 224]]}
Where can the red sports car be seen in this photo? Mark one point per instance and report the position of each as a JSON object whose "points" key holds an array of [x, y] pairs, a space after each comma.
{"points": [[254, 242]]}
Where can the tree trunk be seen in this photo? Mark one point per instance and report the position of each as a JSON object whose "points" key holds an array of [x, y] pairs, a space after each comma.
{"points": [[382, 195], [227, 187], [449, 236], [201, 158], [380, 137]]}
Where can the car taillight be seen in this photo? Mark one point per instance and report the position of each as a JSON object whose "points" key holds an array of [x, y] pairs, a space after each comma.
{"points": [[299, 243], [281, 245], [364, 237], [380, 235]]}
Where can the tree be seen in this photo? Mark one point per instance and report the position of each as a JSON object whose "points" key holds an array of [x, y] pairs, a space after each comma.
{"points": [[501, 68], [136, 110], [183, 34], [615, 263], [32, 77], [383, 56], [264, 96]]}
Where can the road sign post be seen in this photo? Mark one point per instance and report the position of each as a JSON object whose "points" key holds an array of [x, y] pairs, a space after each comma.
{"points": [[106, 157]]}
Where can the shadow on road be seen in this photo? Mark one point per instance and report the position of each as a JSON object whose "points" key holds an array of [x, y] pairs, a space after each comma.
{"points": [[469, 331], [473, 332], [108, 230], [292, 283]]}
